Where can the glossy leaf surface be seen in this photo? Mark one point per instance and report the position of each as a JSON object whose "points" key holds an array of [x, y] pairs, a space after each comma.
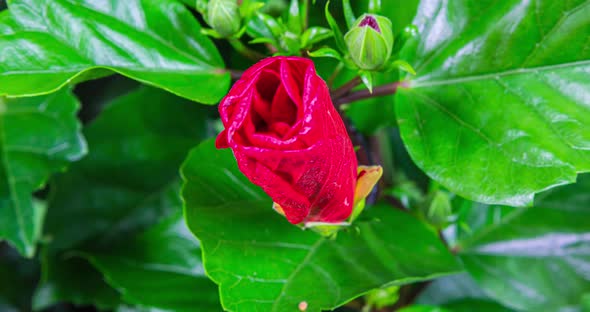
{"points": [[38, 137], [157, 42], [518, 260], [128, 181], [160, 268], [500, 106], [261, 262], [459, 293]]}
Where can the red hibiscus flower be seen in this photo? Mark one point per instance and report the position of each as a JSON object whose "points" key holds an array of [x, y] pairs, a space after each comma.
{"points": [[289, 139]]}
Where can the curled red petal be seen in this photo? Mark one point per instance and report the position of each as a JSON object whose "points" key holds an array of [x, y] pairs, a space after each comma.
{"points": [[289, 139]]}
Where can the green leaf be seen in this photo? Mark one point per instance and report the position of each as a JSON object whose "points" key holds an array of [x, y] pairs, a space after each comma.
{"points": [[294, 21], [157, 42], [168, 256], [127, 181], [498, 110], [266, 29], [403, 65], [338, 37], [38, 137], [367, 79], [314, 35], [474, 217], [375, 6], [518, 260], [261, 262], [189, 3], [458, 293], [423, 308], [7, 24], [348, 14], [326, 52], [467, 305], [263, 27], [450, 288]]}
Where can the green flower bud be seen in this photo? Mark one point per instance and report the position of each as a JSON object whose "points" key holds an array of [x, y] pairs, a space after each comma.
{"points": [[224, 16], [439, 209], [370, 41]]}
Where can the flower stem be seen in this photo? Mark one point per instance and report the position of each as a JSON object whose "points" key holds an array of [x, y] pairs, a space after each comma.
{"points": [[245, 51], [345, 89], [387, 89], [235, 73]]}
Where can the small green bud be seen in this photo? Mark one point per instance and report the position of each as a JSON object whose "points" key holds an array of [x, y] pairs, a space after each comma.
{"points": [[370, 41], [439, 209], [224, 16]]}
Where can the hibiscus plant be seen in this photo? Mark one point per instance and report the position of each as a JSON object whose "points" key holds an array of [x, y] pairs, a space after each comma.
{"points": [[295, 155]]}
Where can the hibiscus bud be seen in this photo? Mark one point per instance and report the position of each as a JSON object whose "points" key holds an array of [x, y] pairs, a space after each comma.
{"points": [[289, 139], [370, 41], [439, 210], [224, 16]]}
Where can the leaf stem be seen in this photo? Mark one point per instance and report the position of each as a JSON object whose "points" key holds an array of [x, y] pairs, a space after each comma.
{"points": [[387, 89], [245, 51]]}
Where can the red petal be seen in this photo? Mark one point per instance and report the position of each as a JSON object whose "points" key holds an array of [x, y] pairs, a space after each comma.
{"points": [[297, 149]]}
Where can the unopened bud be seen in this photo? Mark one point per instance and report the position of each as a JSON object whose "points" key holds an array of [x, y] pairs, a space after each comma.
{"points": [[224, 17], [439, 209], [370, 41]]}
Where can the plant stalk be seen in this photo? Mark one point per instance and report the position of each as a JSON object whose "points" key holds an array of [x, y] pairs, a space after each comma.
{"points": [[346, 88], [365, 94]]}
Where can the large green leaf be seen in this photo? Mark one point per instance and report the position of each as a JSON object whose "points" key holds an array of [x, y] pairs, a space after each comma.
{"points": [[423, 308], [461, 306], [536, 259], [160, 268], [468, 305], [500, 107], [458, 293], [7, 24], [263, 263], [449, 289], [157, 42], [128, 181], [38, 136]]}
